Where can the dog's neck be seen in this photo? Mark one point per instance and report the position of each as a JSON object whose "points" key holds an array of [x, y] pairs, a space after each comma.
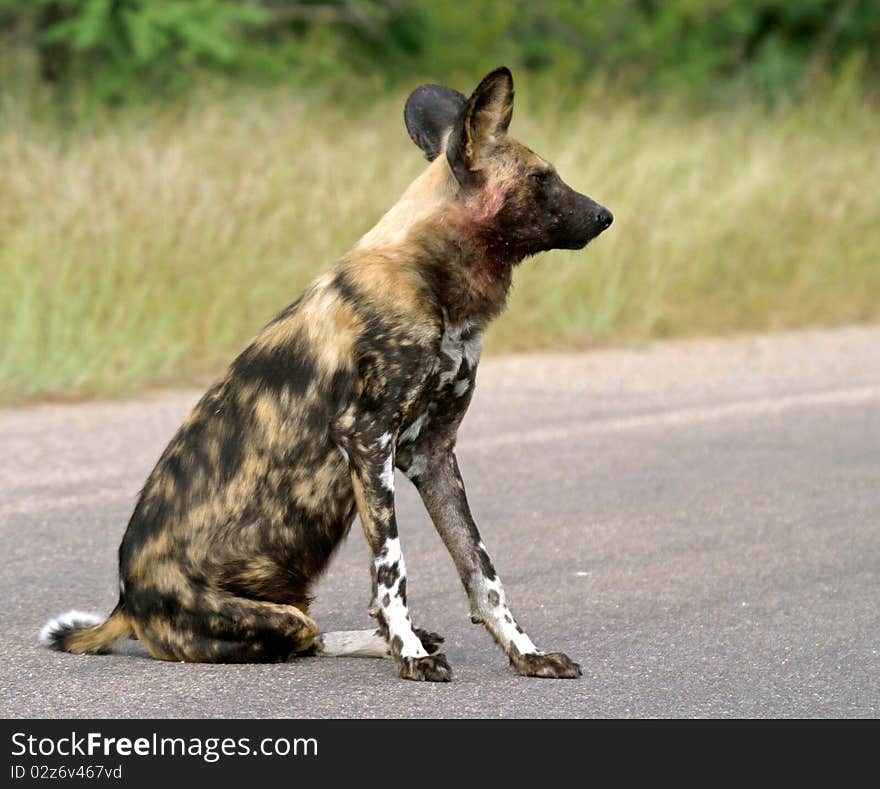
{"points": [[447, 243]]}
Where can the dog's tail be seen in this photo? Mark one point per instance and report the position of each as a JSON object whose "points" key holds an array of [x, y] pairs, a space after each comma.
{"points": [[85, 634]]}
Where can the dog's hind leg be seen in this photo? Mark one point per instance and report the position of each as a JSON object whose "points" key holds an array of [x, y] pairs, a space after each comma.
{"points": [[225, 629], [367, 643]]}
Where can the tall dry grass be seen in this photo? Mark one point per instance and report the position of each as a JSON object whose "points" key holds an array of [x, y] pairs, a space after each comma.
{"points": [[148, 250]]}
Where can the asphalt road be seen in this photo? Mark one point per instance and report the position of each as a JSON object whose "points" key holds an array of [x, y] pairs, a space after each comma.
{"points": [[697, 523]]}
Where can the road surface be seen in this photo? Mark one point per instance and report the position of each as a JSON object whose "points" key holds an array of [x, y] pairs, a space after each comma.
{"points": [[697, 523]]}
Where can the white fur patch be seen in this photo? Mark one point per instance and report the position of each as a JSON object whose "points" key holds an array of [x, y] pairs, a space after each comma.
{"points": [[412, 432], [499, 619], [387, 475], [72, 619], [461, 387], [453, 348], [418, 466], [458, 351], [391, 553], [473, 350], [384, 439], [395, 613]]}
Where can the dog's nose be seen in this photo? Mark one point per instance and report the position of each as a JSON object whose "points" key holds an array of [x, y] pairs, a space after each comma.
{"points": [[604, 218]]}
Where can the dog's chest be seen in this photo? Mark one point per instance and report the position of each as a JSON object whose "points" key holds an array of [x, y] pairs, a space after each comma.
{"points": [[445, 393], [456, 363]]}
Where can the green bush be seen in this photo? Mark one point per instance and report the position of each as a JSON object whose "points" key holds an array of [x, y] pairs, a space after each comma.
{"points": [[773, 47], [125, 48], [131, 49]]}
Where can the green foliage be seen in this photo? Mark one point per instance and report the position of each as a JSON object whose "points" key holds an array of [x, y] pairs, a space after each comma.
{"points": [[772, 47], [124, 49]]}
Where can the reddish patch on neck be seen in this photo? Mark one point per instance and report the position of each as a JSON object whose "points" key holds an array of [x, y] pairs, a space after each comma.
{"points": [[490, 275], [487, 207], [478, 211], [486, 267]]}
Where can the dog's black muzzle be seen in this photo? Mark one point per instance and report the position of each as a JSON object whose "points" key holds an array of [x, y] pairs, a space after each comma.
{"points": [[584, 219]]}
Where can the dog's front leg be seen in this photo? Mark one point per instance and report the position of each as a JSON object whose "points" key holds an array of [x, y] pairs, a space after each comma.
{"points": [[372, 473], [442, 489]]}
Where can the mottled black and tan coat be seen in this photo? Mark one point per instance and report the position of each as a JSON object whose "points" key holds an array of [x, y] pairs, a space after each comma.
{"points": [[372, 368]]}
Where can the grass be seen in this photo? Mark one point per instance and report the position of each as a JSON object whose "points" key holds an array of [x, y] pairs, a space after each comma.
{"points": [[146, 250]]}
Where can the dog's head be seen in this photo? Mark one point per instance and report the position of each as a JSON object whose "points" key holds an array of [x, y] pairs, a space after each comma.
{"points": [[513, 200]]}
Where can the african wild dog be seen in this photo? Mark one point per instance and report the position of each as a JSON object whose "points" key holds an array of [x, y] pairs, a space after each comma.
{"points": [[372, 368]]}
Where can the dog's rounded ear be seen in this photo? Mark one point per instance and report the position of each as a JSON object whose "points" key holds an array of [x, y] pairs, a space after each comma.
{"points": [[430, 112], [481, 125]]}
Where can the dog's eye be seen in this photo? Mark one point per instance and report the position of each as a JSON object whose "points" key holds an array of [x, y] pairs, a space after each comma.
{"points": [[541, 177]]}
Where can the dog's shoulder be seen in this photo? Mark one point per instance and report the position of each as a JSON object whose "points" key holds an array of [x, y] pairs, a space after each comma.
{"points": [[390, 293]]}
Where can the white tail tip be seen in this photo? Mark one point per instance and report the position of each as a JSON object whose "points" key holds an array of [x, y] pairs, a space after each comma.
{"points": [[72, 620]]}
